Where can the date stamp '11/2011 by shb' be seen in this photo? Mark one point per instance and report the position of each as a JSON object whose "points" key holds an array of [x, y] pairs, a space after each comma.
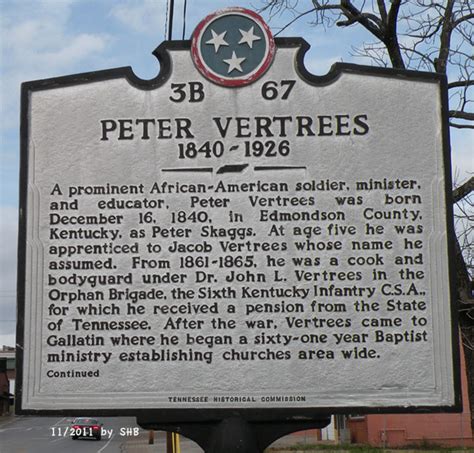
{"points": [[85, 431]]}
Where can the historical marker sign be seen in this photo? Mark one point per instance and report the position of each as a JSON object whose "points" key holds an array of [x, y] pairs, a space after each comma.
{"points": [[236, 233]]}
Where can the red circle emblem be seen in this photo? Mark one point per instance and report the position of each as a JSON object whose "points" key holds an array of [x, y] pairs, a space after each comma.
{"points": [[232, 47]]}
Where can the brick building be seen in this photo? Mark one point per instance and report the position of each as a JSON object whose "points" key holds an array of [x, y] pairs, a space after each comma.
{"points": [[7, 375], [396, 430]]}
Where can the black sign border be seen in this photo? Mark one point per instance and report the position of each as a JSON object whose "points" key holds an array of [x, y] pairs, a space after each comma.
{"points": [[258, 415]]}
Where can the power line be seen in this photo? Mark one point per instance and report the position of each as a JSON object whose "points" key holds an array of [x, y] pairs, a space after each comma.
{"points": [[184, 18], [166, 19]]}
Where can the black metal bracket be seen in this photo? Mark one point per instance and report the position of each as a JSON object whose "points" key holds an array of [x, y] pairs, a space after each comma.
{"points": [[234, 434]]}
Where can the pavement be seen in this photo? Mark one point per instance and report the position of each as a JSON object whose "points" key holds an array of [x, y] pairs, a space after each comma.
{"points": [[140, 444], [6, 419], [35, 433]]}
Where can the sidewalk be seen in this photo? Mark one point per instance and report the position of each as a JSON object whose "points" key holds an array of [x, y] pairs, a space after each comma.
{"points": [[367, 449], [4, 419], [140, 444]]}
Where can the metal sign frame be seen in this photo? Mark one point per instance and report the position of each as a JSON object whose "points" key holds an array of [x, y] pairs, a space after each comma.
{"points": [[179, 416]]}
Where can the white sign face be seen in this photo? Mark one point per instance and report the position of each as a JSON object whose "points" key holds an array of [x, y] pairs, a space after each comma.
{"points": [[280, 244]]}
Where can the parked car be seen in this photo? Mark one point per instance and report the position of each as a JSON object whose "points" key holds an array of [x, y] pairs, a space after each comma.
{"points": [[86, 427]]}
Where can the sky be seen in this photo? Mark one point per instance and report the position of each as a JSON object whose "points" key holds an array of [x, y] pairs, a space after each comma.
{"points": [[48, 38]]}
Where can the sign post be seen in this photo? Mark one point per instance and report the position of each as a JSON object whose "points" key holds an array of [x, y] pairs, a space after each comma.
{"points": [[237, 242]]}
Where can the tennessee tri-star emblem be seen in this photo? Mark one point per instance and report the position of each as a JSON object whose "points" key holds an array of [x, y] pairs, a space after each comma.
{"points": [[233, 47]]}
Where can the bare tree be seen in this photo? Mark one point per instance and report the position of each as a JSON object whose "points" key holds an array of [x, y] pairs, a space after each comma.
{"points": [[422, 35]]}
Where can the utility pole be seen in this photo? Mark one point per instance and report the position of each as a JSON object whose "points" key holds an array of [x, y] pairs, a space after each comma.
{"points": [[170, 20]]}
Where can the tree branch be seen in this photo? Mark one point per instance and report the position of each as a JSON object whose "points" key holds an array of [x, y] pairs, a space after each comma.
{"points": [[354, 15], [423, 56], [382, 10], [463, 19], [445, 43], [463, 190], [294, 20], [461, 126], [391, 36], [461, 115], [461, 83]]}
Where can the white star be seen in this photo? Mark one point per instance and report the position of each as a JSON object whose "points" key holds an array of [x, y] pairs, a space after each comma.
{"points": [[248, 37], [234, 63], [217, 40]]}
